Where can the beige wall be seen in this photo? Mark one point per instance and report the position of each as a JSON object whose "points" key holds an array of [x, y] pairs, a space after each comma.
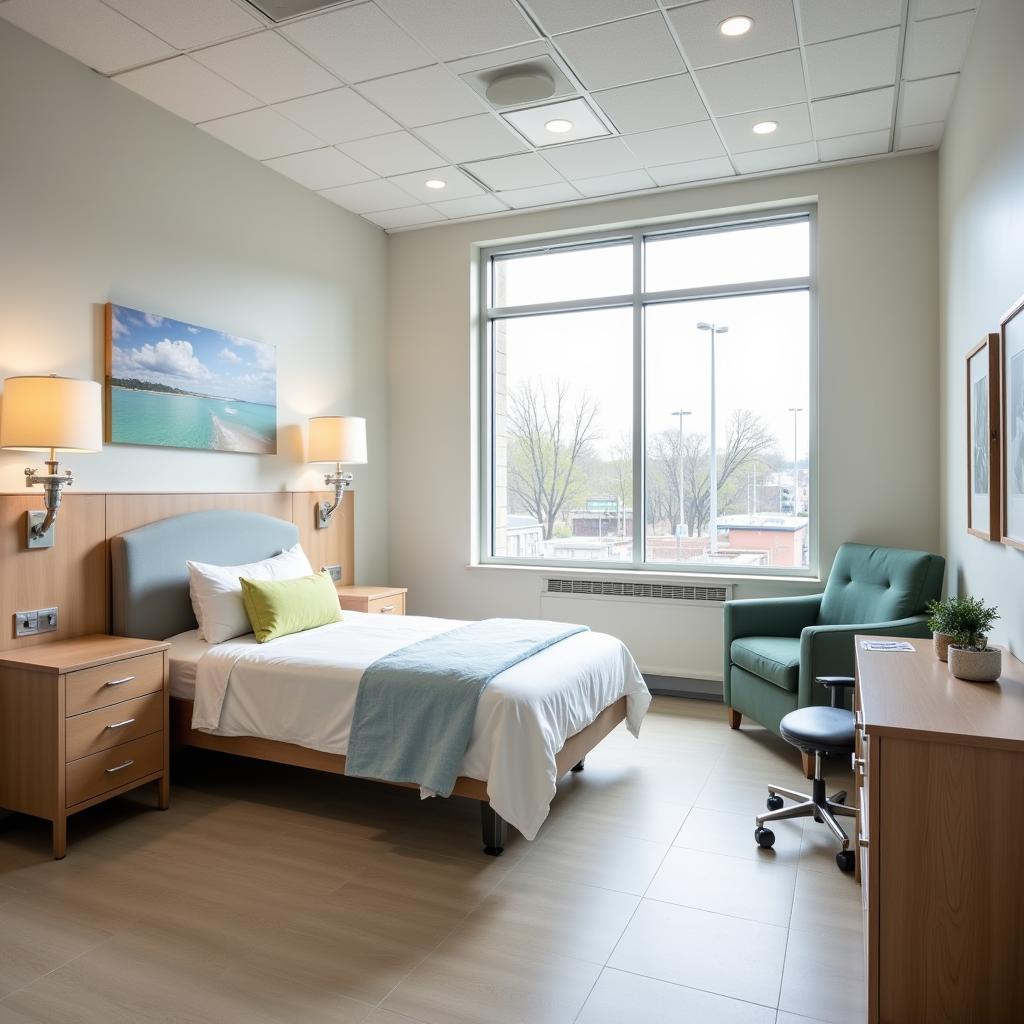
{"points": [[981, 216], [106, 196], [878, 380]]}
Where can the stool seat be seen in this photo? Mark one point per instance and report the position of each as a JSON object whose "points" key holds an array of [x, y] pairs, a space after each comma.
{"points": [[828, 731]]}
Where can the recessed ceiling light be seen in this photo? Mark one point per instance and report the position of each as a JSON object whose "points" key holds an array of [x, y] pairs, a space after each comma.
{"points": [[736, 26], [559, 125], [765, 127], [435, 183]]}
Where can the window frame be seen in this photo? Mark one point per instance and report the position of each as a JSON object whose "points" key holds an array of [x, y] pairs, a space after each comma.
{"points": [[637, 300]]}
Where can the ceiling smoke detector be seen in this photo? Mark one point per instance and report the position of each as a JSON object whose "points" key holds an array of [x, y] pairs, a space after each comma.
{"points": [[523, 84]]}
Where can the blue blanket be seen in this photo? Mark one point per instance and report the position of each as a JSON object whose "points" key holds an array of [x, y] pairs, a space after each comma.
{"points": [[415, 707]]}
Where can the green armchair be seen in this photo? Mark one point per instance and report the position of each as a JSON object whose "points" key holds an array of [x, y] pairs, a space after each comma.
{"points": [[775, 648]]}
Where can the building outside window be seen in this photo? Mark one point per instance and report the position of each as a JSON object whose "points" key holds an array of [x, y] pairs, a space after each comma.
{"points": [[647, 398]]}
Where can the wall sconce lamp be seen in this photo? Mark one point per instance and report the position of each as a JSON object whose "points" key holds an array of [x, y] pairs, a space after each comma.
{"points": [[50, 414], [341, 440]]}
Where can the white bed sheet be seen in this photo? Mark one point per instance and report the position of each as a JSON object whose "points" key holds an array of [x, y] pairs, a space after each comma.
{"points": [[182, 659], [302, 689]]}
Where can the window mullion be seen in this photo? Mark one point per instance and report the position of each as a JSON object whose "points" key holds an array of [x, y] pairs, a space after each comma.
{"points": [[639, 460]]}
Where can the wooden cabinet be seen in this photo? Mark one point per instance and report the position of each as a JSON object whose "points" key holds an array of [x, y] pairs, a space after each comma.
{"points": [[377, 600], [940, 773], [81, 721]]}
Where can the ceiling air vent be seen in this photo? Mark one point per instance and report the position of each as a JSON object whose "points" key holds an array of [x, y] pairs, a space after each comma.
{"points": [[647, 591], [284, 10]]}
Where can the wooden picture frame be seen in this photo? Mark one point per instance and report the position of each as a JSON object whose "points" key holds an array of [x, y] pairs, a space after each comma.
{"points": [[984, 508], [1011, 393]]}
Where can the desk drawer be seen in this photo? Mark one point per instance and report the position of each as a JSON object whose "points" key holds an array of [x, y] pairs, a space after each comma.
{"points": [[387, 605], [99, 687], [99, 730], [99, 773]]}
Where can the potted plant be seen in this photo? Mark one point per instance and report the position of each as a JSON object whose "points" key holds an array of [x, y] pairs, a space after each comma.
{"points": [[939, 613], [970, 657]]}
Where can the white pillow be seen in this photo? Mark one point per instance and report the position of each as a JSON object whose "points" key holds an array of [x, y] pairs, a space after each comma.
{"points": [[217, 594]]}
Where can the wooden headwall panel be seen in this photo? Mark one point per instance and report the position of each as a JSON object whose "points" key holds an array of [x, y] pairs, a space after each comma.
{"points": [[74, 575]]}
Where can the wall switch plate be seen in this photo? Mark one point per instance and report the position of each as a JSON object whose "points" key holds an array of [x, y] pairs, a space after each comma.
{"points": [[46, 541], [335, 571], [31, 623], [46, 620]]}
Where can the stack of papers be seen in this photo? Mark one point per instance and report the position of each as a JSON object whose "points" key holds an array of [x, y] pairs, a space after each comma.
{"points": [[886, 645]]}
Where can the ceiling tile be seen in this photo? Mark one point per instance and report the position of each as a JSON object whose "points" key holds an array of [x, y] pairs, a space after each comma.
{"points": [[370, 197], [697, 26], [473, 206], [850, 65], [397, 153], [358, 42], [614, 184], [937, 47], [776, 159], [187, 89], [564, 15], [541, 195], [87, 30], [848, 115], [514, 172], [457, 184], [188, 23], [927, 100], [649, 105], [919, 136], [934, 8], [472, 138], [405, 218], [794, 125], [774, 81], [581, 159], [681, 144], [830, 19], [262, 134], [456, 28], [532, 121], [850, 146], [426, 96], [693, 170], [267, 66], [339, 115], [320, 168], [622, 52]]}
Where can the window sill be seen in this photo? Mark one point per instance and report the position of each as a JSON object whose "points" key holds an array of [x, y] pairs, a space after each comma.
{"points": [[651, 575]]}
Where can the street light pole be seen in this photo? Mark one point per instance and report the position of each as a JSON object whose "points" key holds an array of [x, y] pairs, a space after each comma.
{"points": [[682, 518], [713, 329], [796, 412]]}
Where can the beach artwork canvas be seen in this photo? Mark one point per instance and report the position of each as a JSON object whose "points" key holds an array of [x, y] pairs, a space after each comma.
{"points": [[181, 386]]}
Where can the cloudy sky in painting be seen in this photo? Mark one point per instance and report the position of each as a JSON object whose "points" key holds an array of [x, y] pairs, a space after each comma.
{"points": [[206, 362]]}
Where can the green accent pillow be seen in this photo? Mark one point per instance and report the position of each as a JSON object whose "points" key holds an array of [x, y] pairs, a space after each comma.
{"points": [[280, 607]]}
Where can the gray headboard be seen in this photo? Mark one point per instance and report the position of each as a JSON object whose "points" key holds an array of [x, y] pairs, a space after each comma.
{"points": [[148, 575]]}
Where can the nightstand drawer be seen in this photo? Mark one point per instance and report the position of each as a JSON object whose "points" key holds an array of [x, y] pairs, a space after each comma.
{"points": [[387, 605], [99, 773], [99, 730], [99, 687]]}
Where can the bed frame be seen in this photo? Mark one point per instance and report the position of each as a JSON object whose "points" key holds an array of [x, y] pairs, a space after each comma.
{"points": [[149, 585]]}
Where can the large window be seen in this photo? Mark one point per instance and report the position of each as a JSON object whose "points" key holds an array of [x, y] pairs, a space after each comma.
{"points": [[647, 399]]}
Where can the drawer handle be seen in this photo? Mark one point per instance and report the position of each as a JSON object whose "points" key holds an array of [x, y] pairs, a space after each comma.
{"points": [[388, 608], [858, 763], [862, 843], [120, 725], [119, 682], [119, 767]]}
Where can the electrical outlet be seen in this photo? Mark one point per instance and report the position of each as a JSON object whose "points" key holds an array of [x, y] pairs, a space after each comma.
{"points": [[46, 620], [31, 623], [335, 571]]}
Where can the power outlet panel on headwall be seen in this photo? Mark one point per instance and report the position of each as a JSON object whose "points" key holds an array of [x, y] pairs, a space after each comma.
{"points": [[335, 571], [39, 620]]}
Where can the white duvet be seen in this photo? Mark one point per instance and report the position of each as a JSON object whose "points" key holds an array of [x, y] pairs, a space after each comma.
{"points": [[302, 689]]}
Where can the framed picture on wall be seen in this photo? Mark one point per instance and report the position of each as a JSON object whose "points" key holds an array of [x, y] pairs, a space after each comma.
{"points": [[983, 504], [1011, 375]]}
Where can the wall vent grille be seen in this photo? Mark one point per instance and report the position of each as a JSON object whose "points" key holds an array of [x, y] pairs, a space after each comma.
{"points": [[648, 591]]}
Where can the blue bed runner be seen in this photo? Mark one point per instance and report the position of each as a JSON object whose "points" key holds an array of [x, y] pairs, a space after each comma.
{"points": [[415, 707]]}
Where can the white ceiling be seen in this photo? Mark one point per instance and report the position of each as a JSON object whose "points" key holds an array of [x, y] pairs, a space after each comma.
{"points": [[367, 100]]}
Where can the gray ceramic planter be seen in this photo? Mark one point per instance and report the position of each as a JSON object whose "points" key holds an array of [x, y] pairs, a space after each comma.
{"points": [[976, 666]]}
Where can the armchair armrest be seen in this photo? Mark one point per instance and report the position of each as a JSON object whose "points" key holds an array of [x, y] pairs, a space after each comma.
{"points": [[770, 616], [828, 650]]}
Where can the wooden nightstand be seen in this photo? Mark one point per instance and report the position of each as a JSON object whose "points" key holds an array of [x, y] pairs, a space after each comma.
{"points": [[382, 600], [81, 721]]}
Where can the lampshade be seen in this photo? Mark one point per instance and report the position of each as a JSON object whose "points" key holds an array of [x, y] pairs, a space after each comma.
{"points": [[40, 413], [337, 439]]}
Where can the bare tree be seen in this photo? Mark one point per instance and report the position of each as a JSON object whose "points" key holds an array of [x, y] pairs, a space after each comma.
{"points": [[549, 434]]}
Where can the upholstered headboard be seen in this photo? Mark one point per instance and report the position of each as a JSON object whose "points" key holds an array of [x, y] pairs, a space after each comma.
{"points": [[149, 581]]}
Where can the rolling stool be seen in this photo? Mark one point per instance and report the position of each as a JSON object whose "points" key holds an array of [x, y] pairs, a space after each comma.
{"points": [[823, 732]]}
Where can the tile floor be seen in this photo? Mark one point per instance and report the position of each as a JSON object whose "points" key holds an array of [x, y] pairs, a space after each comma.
{"points": [[270, 895]]}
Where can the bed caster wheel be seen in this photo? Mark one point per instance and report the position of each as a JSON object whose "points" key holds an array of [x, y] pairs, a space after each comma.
{"points": [[578, 767], [764, 837], [845, 860], [774, 802], [494, 851]]}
